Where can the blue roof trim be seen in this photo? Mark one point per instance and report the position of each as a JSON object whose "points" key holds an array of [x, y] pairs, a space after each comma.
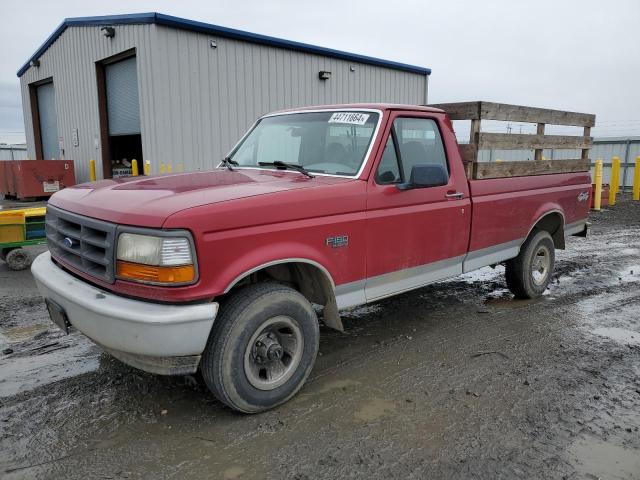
{"points": [[182, 23]]}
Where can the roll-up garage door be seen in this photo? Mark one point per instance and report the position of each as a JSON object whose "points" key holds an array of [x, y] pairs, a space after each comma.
{"points": [[48, 123], [123, 108]]}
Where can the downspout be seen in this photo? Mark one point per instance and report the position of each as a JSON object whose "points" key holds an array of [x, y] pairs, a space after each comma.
{"points": [[626, 165], [426, 89]]}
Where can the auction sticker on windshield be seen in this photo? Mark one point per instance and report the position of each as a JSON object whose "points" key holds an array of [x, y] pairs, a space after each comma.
{"points": [[354, 118]]}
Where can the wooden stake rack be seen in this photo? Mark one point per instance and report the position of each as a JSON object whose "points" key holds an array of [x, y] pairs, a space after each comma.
{"points": [[478, 140]]}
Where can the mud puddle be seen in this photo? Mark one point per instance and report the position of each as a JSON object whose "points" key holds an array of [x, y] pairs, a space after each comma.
{"points": [[597, 459], [621, 335], [38, 357]]}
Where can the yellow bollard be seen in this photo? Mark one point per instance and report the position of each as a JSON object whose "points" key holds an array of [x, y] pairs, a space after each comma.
{"points": [[168, 168], [616, 165], [636, 179], [92, 170], [161, 168], [614, 183], [597, 193], [134, 168], [147, 167]]}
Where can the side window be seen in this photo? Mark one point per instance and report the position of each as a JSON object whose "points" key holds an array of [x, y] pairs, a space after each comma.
{"points": [[388, 170], [419, 143]]}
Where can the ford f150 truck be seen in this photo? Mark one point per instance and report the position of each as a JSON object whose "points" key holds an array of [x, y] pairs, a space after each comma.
{"points": [[333, 207]]}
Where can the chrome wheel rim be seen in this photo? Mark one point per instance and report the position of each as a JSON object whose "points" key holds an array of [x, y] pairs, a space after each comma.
{"points": [[540, 265], [273, 353]]}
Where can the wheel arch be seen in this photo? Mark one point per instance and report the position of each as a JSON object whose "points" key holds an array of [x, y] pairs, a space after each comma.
{"points": [[307, 276], [552, 221]]}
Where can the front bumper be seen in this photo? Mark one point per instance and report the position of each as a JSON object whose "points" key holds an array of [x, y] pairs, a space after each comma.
{"points": [[158, 338]]}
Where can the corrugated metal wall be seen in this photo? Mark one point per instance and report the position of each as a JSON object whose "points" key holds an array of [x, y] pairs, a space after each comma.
{"points": [[13, 152], [71, 63], [196, 101]]}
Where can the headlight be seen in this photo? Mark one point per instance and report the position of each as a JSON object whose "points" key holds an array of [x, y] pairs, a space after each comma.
{"points": [[155, 259]]}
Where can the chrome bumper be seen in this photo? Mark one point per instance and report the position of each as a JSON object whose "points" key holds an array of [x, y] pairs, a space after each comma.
{"points": [[159, 338]]}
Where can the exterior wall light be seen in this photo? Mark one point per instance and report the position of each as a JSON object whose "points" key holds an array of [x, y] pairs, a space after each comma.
{"points": [[108, 32], [324, 75], [34, 63], [213, 44]]}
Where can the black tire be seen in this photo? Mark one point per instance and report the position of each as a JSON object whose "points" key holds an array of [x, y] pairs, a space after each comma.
{"points": [[231, 369], [4, 252], [525, 276], [18, 259]]}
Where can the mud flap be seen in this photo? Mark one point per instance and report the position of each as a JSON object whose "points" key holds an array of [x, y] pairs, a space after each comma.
{"points": [[331, 316], [586, 232]]}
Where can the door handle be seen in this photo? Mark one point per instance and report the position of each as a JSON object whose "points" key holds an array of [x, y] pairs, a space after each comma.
{"points": [[457, 195]]}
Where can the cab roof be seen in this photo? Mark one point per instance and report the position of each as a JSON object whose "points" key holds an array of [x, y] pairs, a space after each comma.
{"points": [[369, 106]]}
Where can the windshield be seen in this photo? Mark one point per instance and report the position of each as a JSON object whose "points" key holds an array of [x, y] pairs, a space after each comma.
{"points": [[332, 142]]}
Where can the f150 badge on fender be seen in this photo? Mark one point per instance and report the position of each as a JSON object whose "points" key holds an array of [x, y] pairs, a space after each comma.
{"points": [[583, 197], [337, 241]]}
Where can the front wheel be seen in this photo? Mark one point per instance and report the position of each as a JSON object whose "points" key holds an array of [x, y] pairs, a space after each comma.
{"points": [[529, 274], [262, 347]]}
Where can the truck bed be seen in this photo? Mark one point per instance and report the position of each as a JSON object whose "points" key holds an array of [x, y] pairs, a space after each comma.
{"points": [[504, 210]]}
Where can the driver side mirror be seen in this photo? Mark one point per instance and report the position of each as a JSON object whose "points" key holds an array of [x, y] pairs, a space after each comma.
{"points": [[423, 176]]}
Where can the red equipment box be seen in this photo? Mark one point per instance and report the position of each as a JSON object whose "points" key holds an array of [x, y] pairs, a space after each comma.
{"points": [[35, 178]]}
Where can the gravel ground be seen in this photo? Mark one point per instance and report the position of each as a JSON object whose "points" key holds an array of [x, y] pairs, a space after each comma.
{"points": [[455, 380]]}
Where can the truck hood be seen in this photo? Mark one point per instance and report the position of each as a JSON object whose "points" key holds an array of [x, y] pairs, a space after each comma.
{"points": [[149, 201]]}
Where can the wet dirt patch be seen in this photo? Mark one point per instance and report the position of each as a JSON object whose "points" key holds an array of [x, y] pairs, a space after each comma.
{"points": [[630, 273], [598, 459], [232, 473], [374, 409], [621, 335]]}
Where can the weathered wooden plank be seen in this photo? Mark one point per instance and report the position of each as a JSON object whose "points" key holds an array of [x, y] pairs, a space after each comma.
{"points": [[522, 141], [485, 170], [539, 133], [518, 113], [460, 110], [468, 152], [474, 133], [585, 151], [515, 113]]}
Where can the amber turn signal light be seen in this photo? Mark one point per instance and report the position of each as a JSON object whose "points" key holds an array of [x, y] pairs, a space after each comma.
{"points": [[155, 274]]}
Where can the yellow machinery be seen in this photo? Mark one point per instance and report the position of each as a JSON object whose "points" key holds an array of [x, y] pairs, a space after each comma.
{"points": [[18, 229]]}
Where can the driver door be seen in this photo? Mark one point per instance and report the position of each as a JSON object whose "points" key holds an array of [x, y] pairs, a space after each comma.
{"points": [[415, 236]]}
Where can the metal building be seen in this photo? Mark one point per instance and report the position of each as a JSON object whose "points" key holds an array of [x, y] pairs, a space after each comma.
{"points": [[168, 90]]}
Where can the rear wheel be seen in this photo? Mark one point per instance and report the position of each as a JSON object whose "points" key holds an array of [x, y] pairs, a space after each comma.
{"points": [[262, 347], [18, 259], [529, 274]]}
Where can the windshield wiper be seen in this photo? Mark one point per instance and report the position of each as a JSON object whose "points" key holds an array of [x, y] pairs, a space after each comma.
{"points": [[283, 166], [228, 162]]}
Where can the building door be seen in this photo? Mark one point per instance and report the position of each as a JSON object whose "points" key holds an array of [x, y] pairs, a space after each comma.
{"points": [[47, 122], [121, 126]]}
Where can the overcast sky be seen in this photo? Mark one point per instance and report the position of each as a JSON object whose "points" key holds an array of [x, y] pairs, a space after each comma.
{"points": [[572, 55]]}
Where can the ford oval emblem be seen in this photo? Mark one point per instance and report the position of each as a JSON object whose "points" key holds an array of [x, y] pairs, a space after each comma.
{"points": [[68, 242]]}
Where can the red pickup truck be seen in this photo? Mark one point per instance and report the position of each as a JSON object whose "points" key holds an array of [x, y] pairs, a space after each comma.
{"points": [[332, 206]]}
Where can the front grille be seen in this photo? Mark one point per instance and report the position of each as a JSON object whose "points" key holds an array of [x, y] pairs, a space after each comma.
{"points": [[84, 243]]}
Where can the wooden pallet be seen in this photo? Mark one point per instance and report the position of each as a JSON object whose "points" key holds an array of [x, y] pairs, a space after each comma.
{"points": [[478, 140]]}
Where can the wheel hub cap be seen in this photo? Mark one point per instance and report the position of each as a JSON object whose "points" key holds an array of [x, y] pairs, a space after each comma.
{"points": [[267, 349], [273, 353], [541, 265]]}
